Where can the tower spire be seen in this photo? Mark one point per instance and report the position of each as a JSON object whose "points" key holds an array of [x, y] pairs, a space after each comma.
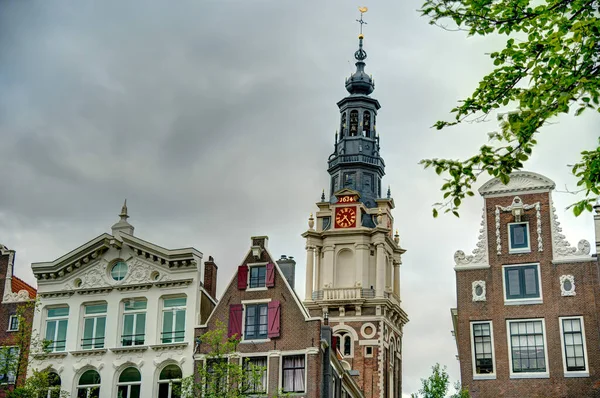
{"points": [[359, 82]]}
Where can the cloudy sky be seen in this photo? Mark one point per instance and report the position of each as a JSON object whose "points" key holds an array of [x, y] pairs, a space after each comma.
{"points": [[215, 120]]}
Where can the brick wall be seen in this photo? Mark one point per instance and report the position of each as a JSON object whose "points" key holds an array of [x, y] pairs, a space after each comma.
{"points": [[554, 306]]}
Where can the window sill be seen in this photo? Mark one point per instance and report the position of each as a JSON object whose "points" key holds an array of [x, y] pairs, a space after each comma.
{"points": [[523, 301], [169, 346], [92, 352], [535, 375], [12, 330], [133, 348], [257, 289], [50, 355], [255, 341], [491, 376], [519, 251], [577, 374]]}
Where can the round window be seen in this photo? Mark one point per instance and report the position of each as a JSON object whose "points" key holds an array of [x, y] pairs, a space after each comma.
{"points": [[478, 290], [567, 285], [118, 271]]}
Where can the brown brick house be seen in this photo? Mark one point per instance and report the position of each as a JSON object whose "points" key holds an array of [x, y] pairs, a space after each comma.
{"points": [[17, 307], [275, 330], [526, 322]]}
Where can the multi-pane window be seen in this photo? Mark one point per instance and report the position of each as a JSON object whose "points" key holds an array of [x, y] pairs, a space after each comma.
{"points": [[216, 376], [527, 347], [573, 344], [169, 382], [134, 322], [293, 373], [344, 343], [522, 282], [89, 385], [518, 237], [13, 323], [56, 328], [94, 325], [130, 383], [173, 320], [255, 379], [482, 348], [258, 275], [9, 361], [256, 321]]}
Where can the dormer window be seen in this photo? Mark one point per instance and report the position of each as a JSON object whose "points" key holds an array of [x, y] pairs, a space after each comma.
{"points": [[518, 237]]}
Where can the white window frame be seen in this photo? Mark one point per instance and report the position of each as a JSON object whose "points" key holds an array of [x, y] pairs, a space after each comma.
{"points": [[527, 375], [135, 314], [484, 376], [170, 382], [95, 327], [521, 249], [171, 309], [522, 301], [305, 372], [260, 288], [245, 303], [259, 355], [57, 319], [574, 373], [10, 322]]}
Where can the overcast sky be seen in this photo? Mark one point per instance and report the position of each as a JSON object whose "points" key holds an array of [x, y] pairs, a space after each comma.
{"points": [[215, 120]]}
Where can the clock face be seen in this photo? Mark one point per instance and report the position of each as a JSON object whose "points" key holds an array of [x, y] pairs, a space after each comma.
{"points": [[345, 217]]}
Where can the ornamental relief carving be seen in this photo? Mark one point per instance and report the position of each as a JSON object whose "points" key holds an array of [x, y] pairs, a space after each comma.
{"points": [[567, 285], [517, 202], [22, 295], [480, 253], [97, 276], [478, 290], [561, 247]]}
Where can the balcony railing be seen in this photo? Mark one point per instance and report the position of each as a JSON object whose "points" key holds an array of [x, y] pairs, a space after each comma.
{"points": [[350, 293], [356, 159], [132, 339]]}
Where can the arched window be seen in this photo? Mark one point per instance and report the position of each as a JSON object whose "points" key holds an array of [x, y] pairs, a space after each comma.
{"points": [[343, 124], [345, 343], [367, 123], [169, 382], [130, 382], [353, 123], [89, 385], [53, 385]]}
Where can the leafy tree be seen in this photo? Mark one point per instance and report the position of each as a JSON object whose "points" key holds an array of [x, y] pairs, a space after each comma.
{"points": [[549, 65], [16, 356], [436, 385], [221, 374]]}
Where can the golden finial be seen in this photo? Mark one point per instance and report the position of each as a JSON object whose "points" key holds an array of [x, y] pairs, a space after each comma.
{"points": [[363, 9]]}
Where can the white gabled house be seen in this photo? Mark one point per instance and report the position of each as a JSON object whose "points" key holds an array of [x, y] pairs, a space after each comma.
{"points": [[119, 314]]}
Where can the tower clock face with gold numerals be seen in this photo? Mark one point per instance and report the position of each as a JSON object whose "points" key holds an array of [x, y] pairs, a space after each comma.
{"points": [[345, 217]]}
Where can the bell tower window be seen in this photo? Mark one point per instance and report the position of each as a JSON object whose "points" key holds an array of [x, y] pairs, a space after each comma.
{"points": [[353, 123], [367, 123], [343, 124]]}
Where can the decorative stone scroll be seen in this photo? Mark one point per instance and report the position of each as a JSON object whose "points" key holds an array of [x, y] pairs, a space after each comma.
{"points": [[480, 253], [517, 201], [567, 285], [478, 291], [561, 248]]}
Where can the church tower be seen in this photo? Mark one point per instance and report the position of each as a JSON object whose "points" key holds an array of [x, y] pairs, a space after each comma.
{"points": [[353, 257]]}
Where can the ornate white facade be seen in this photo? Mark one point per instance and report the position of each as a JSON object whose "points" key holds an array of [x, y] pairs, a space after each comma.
{"points": [[148, 275]]}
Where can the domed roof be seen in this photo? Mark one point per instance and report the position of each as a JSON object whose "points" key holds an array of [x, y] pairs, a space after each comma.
{"points": [[359, 82]]}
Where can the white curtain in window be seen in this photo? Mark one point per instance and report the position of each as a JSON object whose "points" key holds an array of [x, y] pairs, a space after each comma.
{"points": [[293, 377]]}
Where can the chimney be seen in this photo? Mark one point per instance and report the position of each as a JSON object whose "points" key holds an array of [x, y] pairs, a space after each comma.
{"points": [[287, 265], [210, 277]]}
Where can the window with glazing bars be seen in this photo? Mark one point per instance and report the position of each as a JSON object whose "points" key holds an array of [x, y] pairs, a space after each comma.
{"points": [[573, 341], [527, 346], [57, 320], [173, 320], [94, 324], [482, 341], [256, 321], [258, 276], [134, 322]]}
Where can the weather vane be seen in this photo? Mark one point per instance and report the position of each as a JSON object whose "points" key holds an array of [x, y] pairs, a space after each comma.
{"points": [[360, 21]]}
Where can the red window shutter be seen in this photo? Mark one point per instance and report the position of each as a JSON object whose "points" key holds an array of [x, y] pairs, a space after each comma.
{"points": [[334, 343], [270, 275], [235, 320], [242, 277], [274, 319]]}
